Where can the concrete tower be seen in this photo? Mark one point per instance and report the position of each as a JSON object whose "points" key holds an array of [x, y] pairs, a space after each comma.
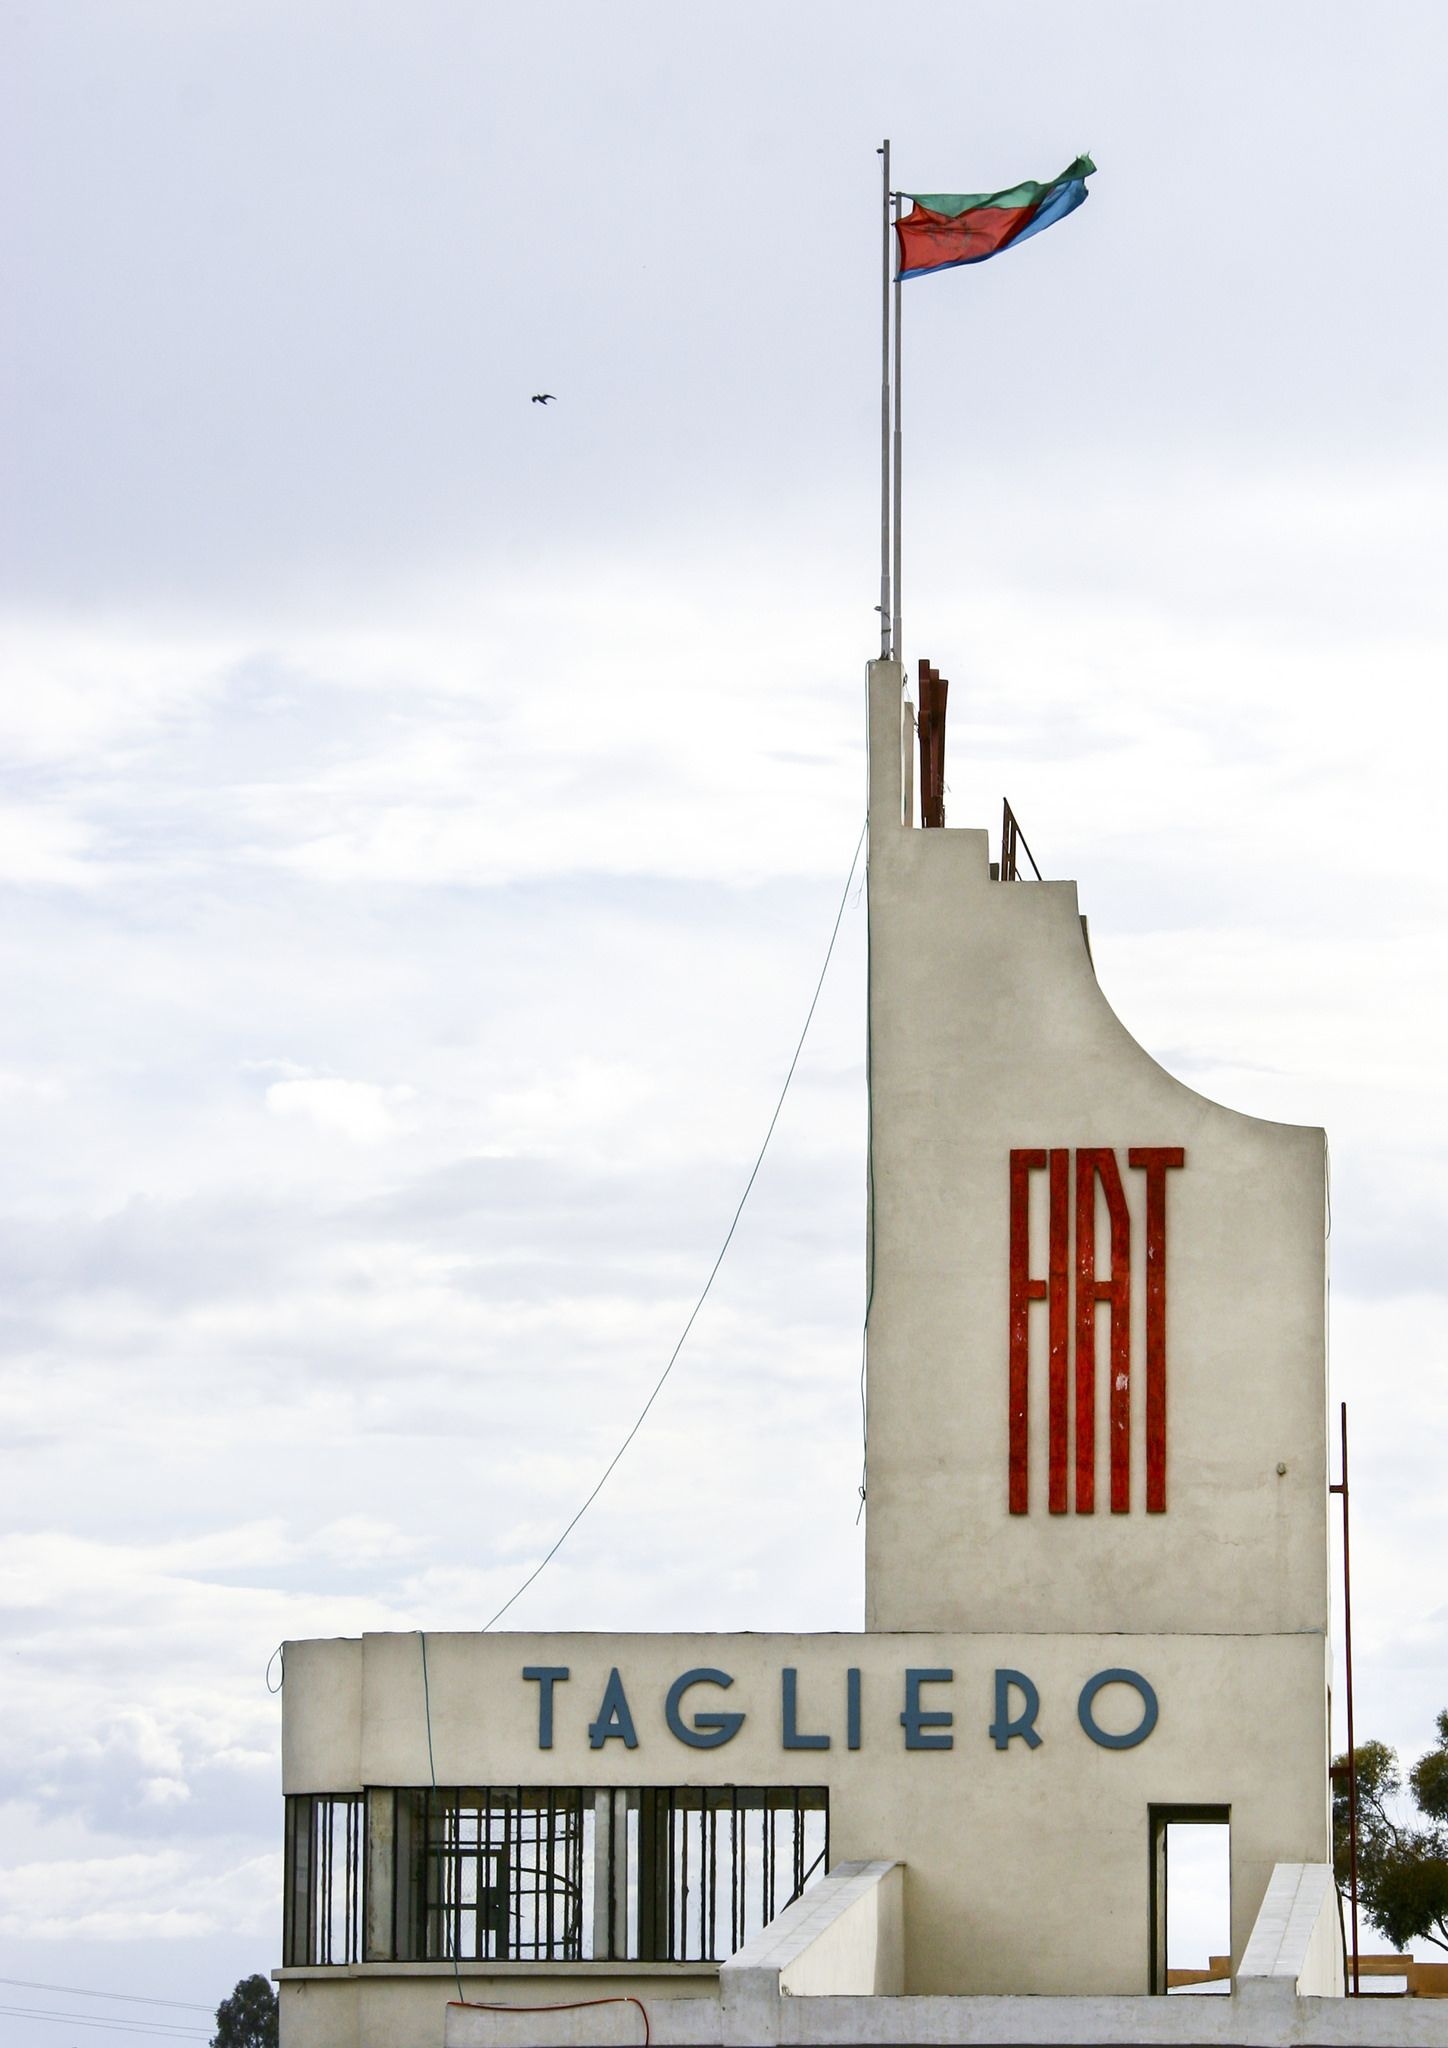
{"points": [[1097, 1399], [1096, 1605]]}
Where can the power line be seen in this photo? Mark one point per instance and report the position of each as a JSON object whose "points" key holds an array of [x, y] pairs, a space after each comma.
{"points": [[128, 1997], [156, 2030], [713, 1270]]}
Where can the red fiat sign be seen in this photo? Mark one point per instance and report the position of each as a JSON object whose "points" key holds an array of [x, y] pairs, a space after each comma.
{"points": [[1071, 1289]]}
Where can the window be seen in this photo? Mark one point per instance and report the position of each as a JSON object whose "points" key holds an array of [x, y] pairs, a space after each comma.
{"points": [[547, 1874], [322, 1914], [489, 1875]]}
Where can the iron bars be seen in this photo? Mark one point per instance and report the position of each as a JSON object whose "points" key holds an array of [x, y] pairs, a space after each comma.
{"points": [[522, 1873], [322, 1914]]}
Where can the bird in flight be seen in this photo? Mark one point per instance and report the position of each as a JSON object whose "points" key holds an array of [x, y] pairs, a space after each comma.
{"points": [[542, 397]]}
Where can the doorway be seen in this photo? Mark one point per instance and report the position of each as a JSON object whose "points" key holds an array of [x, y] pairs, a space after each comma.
{"points": [[1191, 1899]]}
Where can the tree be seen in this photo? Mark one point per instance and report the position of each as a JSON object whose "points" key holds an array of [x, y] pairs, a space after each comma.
{"points": [[248, 2019], [1402, 1867]]}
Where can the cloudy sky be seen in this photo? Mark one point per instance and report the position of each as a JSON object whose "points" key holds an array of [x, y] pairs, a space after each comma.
{"points": [[423, 812]]}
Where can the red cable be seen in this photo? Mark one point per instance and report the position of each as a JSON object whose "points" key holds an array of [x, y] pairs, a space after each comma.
{"points": [[572, 2005]]}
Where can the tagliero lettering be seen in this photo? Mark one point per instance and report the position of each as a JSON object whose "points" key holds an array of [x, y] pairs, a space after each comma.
{"points": [[696, 1715]]}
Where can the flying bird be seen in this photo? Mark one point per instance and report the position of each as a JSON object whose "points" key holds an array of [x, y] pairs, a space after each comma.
{"points": [[542, 397]]}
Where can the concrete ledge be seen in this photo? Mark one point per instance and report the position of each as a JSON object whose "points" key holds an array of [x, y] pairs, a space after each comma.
{"points": [[866, 2022], [1179, 2022], [1296, 1944], [661, 1978]]}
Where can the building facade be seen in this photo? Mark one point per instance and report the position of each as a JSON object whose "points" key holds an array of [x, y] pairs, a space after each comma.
{"points": [[1096, 1599]]}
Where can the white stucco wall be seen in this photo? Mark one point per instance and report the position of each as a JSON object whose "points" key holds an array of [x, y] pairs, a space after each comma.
{"points": [[989, 1031]]}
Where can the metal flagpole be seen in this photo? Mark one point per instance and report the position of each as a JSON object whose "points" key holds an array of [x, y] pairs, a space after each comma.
{"points": [[884, 606], [896, 636]]}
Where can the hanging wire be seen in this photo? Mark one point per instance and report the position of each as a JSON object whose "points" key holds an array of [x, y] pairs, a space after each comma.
{"points": [[609, 1468], [154, 2029], [121, 1997], [573, 2005]]}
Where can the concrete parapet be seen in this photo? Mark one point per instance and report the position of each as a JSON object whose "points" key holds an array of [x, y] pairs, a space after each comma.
{"points": [[1296, 1945], [763, 2019], [844, 1936], [1054, 2022]]}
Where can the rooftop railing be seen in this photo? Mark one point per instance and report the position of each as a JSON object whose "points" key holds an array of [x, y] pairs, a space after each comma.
{"points": [[1013, 846]]}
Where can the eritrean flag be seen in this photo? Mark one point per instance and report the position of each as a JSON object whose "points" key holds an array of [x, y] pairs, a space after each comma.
{"points": [[944, 229]]}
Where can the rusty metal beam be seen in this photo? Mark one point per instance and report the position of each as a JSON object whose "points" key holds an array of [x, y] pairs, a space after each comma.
{"points": [[933, 692]]}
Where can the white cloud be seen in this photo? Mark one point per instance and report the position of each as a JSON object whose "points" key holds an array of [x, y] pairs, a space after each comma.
{"points": [[360, 1110], [46, 847], [82, 692], [137, 1897]]}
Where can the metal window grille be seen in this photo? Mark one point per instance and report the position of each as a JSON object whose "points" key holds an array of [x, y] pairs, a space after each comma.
{"points": [[323, 1910], [501, 1874], [547, 1874], [704, 1868]]}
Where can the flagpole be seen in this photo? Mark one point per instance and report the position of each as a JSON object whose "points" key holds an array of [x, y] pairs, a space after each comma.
{"points": [[884, 606], [897, 640]]}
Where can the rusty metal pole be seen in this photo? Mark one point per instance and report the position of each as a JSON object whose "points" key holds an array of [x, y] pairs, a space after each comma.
{"points": [[1352, 1805]]}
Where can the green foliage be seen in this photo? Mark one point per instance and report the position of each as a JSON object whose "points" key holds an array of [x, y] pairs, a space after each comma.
{"points": [[1402, 1868], [1429, 1776], [248, 2019]]}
